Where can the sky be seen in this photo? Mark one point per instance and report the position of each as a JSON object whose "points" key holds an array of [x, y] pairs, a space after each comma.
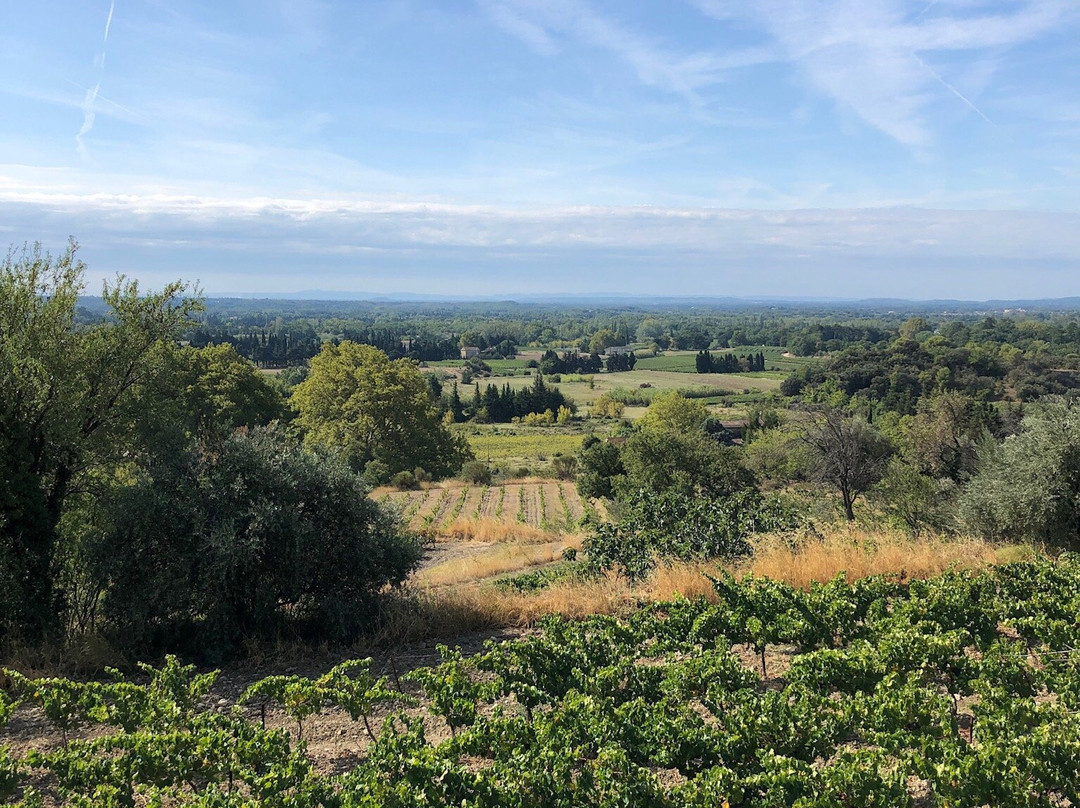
{"points": [[799, 148]]}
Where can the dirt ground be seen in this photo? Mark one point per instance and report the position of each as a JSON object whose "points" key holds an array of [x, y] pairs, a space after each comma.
{"points": [[334, 741]]}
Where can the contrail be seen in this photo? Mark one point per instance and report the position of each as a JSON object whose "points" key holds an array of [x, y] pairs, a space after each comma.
{"points": [[955, 91], [108, 20], [91, 95]]}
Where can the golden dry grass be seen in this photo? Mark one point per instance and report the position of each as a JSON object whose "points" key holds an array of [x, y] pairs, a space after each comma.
{"points": [[497, 560], [859, 553], [491, 531], [466, 605]]}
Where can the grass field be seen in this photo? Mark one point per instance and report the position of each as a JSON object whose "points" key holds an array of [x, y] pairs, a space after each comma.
{"points": [[520, 445], [578, 387], [684, 361]]}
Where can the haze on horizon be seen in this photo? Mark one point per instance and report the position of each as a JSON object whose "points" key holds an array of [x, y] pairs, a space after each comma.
{"points": [[814, 148]]}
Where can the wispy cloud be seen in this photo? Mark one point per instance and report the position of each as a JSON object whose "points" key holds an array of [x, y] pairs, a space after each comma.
{"points": [[869, 57], [541, 23], [90, 100], [389, 223]]}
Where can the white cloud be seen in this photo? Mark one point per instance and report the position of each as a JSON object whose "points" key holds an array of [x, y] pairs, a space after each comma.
{"points": [[540, 22], [871, 56], [388, 224]]}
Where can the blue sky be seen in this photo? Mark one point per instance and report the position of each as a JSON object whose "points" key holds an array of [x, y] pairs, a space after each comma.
{"points": [[782, 147]]}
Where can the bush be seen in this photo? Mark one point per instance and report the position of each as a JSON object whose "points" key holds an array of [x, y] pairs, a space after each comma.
{"points": [[254, 542], [564, 466], [476, 472], [404, 481], [674, 525]]}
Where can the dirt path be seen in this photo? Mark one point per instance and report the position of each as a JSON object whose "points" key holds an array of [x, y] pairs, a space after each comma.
{"points": [[511, 503], [447, 503], [491, 502], [573, 500], [473, 503], [553, 514]]}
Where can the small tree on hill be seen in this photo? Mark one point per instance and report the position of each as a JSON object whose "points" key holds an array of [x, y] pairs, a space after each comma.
{"points": [[847, 453]]}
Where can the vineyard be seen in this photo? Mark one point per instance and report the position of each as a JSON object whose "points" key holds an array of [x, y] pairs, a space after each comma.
{"points": [[550, 505], [960, 690]]}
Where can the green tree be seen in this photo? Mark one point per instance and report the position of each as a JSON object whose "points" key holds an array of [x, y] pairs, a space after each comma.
{"points": [[1028, 487], [375, 410], [601, 340], [69, 396], [671, 411], [212, 391], [914, 498], [599, 468], [670, 449]]}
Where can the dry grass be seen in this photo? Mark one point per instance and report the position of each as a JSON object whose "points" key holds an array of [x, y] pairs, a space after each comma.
{"points": [[468, 606], [859, 553], [497, 560], [491, 531]]}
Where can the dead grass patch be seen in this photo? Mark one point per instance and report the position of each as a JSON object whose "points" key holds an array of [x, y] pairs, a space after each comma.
{"points": [[860, 553], [491, 531], [496, 560], [467, 605]]}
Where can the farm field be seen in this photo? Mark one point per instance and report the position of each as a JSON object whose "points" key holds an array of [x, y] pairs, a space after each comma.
{"points": [[552, 506], [958, 690], [519, 445], [578, 387]]}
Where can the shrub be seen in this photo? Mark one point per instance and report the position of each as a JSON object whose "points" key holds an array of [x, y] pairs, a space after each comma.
{"points": [[564, 466], [476, 472], [675, 525], [404, 481], [255, 541]]}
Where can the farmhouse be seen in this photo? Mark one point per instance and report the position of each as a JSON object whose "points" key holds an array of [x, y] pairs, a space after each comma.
{"points": [[470, 352], [618, 350]]}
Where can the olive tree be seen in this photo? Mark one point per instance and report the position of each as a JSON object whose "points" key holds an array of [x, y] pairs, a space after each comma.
{"points": [[1028, 487], [209, 550]]}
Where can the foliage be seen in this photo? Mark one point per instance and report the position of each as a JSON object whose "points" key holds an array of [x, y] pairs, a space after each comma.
{"points": [[918, 501], [476, 472], [960, 690], [620, 362], [213, 390], [1029, 486], [373, 409], [673, 525], [600, 468], [212, 550], [69, 395], [564, 466], [495, 405]]}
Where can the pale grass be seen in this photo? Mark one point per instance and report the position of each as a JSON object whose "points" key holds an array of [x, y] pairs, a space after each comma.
{"points": [[469, 606], [859, 553], [493, 531], [497, 560]]}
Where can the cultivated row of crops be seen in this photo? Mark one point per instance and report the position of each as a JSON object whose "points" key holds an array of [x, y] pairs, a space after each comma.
{"points": [[550, 505], [961, 690]]}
